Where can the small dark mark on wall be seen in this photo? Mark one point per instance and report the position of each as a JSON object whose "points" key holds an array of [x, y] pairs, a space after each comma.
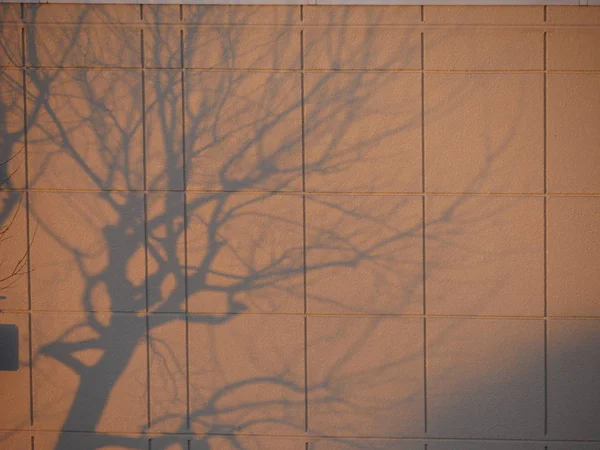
{"points": [[9, 348]]}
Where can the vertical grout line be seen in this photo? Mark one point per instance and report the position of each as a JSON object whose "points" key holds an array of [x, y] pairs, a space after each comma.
{"points": [[422, 14], [142, 11], [303, 144], [22, 11], [423, 230], [144, 169], [303, 137], [546, 377], [150, 444], [25, 129], [424, 320], [545, 88], [181, 13], [182, 70], [142, 62], [423, 113], [148, 344], [30, 369], [545, 325], [187, 323], [545, 50], [545, 13], [32, 442], [145, 185], [27, 223], [185, 239], [305, 374]]}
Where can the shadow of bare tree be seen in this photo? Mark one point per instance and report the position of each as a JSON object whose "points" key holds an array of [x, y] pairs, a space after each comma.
{"points": [[230, 238]]}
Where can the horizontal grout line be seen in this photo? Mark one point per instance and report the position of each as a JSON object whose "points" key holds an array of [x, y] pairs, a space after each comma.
{"points": [[419, 26], [305, 436], [300, 193], [298, 71], [301, 314]]}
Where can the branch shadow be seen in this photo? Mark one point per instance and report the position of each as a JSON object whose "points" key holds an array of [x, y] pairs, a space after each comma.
{"points": [[189, 219]]}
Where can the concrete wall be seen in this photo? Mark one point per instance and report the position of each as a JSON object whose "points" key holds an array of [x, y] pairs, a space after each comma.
{"points": [[285, 228]]}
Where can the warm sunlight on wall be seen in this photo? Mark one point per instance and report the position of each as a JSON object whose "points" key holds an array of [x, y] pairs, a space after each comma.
{"points": [[299, 228]]}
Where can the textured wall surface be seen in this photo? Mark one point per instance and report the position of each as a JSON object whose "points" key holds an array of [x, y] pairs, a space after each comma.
{"points": [[323, 228]]}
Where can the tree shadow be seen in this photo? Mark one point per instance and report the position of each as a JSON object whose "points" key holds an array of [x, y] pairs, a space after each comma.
{"points": [[188, 220]]}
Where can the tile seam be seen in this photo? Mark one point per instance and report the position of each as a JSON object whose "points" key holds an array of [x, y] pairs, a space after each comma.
{"points": [[185, 232], [374, 71], [545, 147], [304, 224], [311, 436], [28, 233], [307, 193], [423, 232], [145, 185], [300, 314], [417, 25]]}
